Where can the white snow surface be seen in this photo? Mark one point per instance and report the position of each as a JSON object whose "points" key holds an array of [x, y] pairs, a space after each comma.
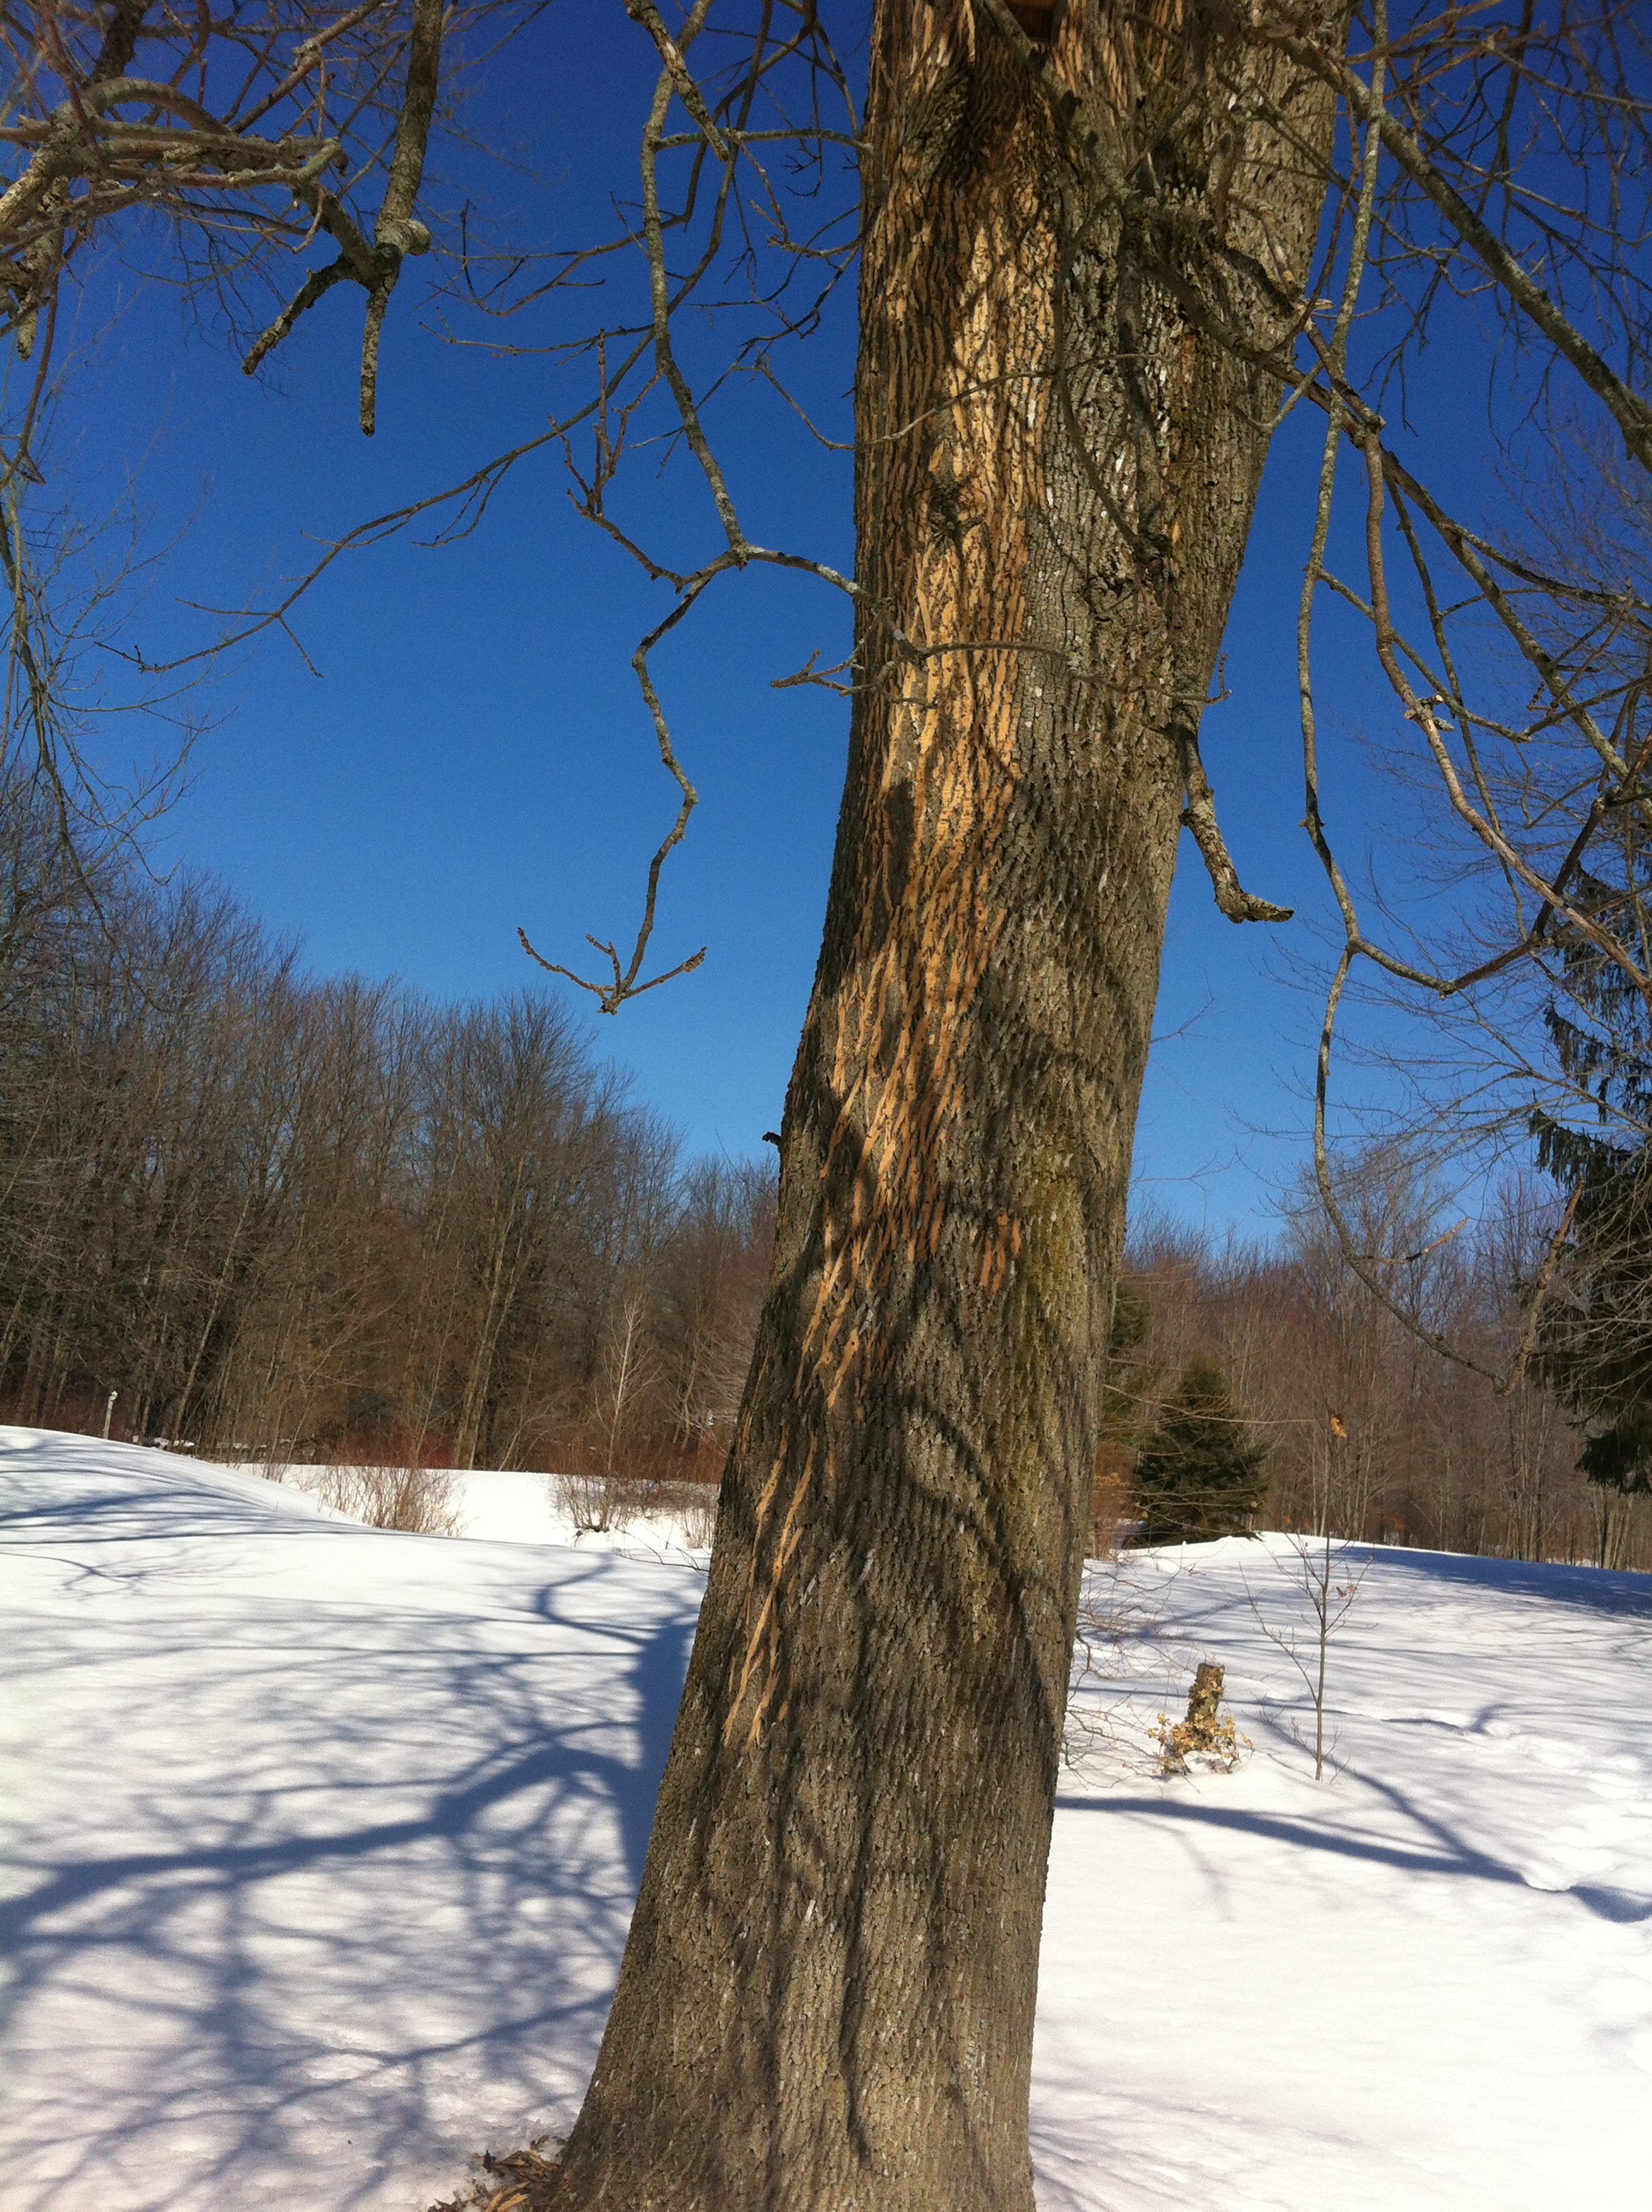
{"points": [[511, 1505], [321, 1844]]}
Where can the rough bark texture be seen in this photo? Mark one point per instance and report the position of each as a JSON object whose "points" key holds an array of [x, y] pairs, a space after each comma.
{"points": [[827, 1998]]}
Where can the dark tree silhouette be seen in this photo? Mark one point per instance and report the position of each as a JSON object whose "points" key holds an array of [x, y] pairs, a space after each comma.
{"points": [[1594, 1346], [1200, 1475]]}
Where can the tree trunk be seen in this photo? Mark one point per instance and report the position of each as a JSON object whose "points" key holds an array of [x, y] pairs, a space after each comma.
{"points": [[827, 1998]]}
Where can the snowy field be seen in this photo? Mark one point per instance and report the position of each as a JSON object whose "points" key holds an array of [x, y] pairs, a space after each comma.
{"points": [[505, 1505], [319, 1845]]}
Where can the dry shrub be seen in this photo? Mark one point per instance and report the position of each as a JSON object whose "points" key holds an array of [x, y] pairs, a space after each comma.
{"points": [[419, 1500], [692, 1504], [1207, 1733], [605, 1504], [699, 1516], [597, 1504]]}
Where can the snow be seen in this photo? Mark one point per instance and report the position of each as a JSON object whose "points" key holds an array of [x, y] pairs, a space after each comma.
{"points": [[321, 1843], [509, 1505], [1427, 1983]]}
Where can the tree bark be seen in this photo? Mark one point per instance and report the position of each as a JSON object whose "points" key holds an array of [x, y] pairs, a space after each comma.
{"points": [[826, 1997]]}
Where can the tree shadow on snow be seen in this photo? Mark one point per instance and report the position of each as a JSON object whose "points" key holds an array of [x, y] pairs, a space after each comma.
{"points": [[318, 1892], [1449, 1854], [1596, 1590]]}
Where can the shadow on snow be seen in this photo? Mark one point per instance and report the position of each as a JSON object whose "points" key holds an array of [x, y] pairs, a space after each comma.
{"points": [[356, 1841]]}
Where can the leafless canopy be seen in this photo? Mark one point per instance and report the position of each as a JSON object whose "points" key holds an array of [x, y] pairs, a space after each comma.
{"points": [[210, 149], [1489, 192], [250, 134]]}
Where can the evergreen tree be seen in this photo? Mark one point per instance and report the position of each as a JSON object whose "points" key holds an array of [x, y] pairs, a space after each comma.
{"points": [[1200, 1475], [1131, 1374], [1594, 1348]]}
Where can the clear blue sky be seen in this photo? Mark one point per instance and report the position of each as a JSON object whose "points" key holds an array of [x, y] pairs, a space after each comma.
{"points": [[474, 753]]}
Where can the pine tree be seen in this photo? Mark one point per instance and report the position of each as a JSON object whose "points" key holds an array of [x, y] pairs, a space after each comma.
{"points": [[1200, 1475], [1595, 1345], [1131, 1374]]}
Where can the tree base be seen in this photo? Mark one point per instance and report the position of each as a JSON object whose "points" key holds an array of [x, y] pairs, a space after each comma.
{"points": [[522, 2181]]}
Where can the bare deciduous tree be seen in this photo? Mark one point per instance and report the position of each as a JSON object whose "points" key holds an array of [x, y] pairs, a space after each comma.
{"points": [[1099, 251], [287, 1219], [1317, 1569], [1096, 258]]}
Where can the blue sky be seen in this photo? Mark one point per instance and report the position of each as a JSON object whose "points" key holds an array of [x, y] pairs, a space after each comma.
{"points": [[474, 754]]}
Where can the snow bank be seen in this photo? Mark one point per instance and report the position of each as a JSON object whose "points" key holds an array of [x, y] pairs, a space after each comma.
{"points": [[321, 1844]]}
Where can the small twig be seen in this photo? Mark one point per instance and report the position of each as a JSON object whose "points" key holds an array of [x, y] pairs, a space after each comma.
{"points": [[810, 674], [610, 997]]}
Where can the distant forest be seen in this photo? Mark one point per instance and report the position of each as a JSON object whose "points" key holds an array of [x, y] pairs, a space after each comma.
{"points": [[1363, 1422], [295, 1219], [292, 1219]]}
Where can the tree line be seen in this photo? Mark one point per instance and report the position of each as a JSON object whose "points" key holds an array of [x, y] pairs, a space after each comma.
{"points": [[1263, 1383], [286, 1217]]}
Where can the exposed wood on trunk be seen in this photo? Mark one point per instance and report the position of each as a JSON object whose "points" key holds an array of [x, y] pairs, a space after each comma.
{"points": [[828, 1994]]}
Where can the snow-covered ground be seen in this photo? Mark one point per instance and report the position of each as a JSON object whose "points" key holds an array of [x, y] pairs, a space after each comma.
{"points": [[508, 1506], [319, 1845]]}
